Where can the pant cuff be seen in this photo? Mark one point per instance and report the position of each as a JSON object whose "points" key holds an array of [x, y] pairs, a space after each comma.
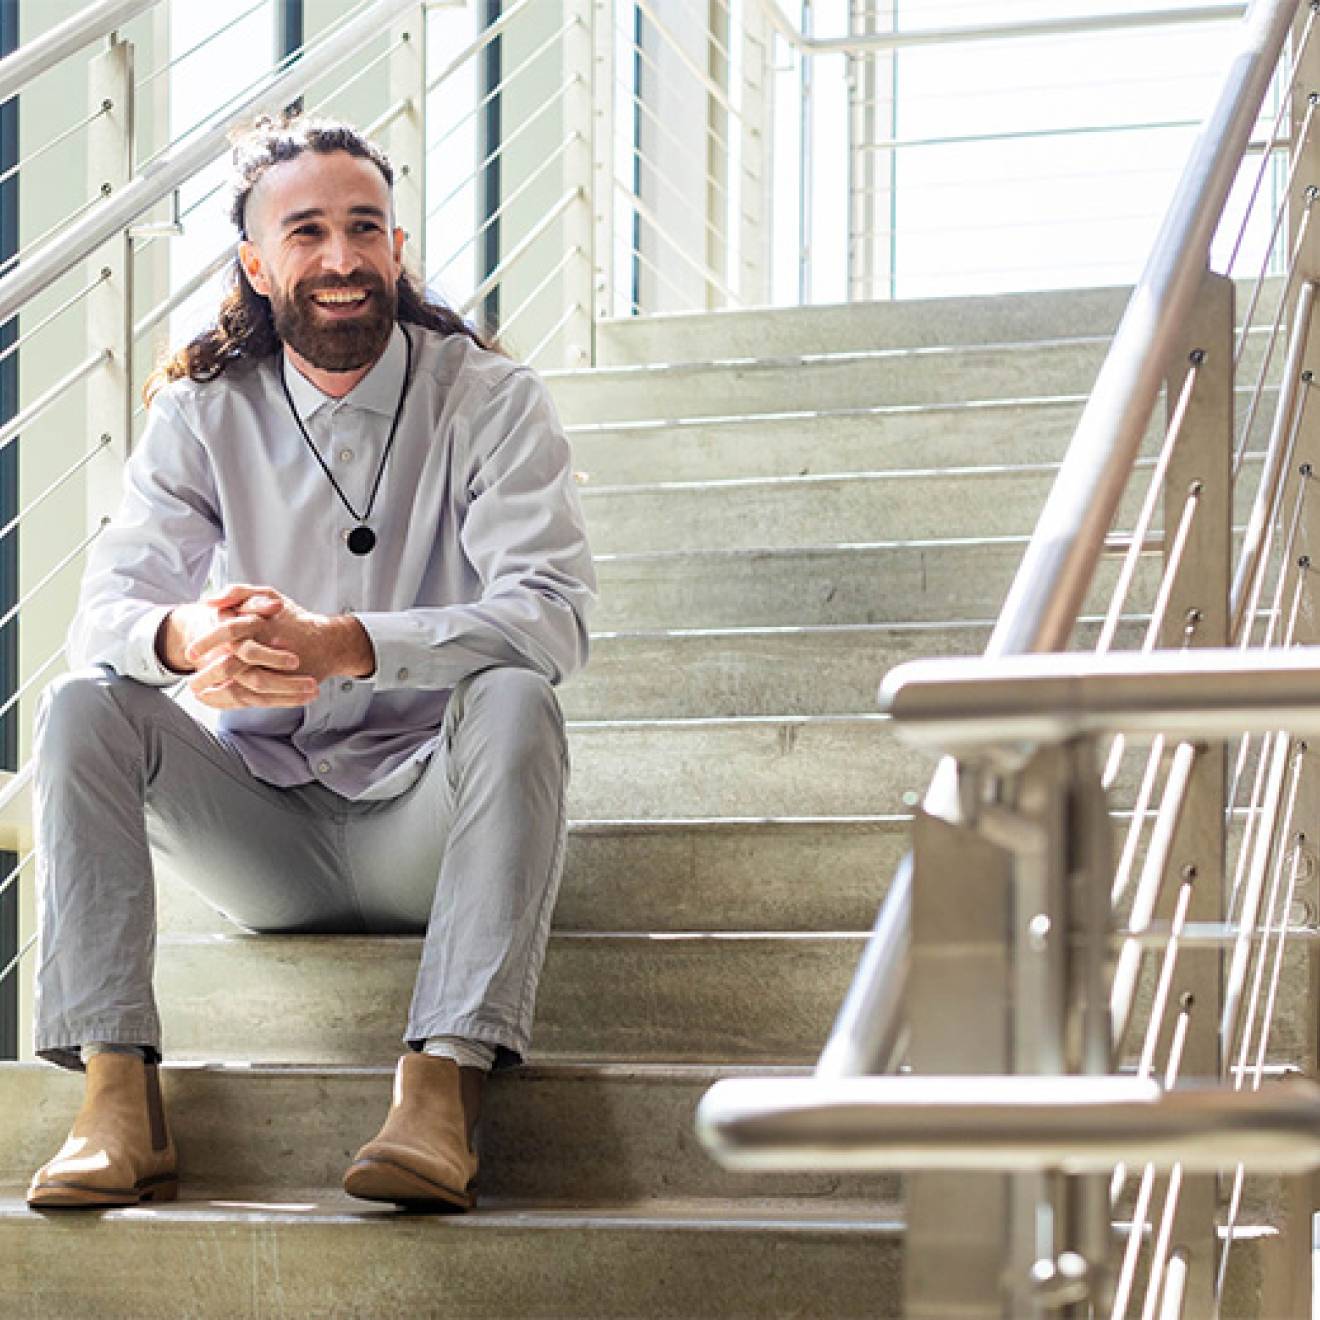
{"points": [[64, 1046], [509, 1045]]}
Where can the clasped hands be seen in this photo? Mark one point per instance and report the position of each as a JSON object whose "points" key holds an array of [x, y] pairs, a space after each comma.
{"points": [[253, 646]]}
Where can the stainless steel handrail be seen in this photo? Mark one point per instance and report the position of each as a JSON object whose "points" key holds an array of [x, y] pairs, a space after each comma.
{"points": [[178, 163], [1047, 591], [1048, 27], [1006, 1124], [44, 52], [969, 704], [1045, 598]]}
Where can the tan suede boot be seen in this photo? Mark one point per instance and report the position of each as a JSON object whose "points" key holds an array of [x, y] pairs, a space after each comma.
{"points": [[119, 1151], [424, 1156]]}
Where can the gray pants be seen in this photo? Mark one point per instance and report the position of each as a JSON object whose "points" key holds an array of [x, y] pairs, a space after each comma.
{"points": [[471, 855]]}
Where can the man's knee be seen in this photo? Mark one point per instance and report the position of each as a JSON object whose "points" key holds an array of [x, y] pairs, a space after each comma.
{"points": [[517, 708], [83, 705]]}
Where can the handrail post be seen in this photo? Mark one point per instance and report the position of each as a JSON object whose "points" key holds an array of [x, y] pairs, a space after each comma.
{"points": [[600, 194], [755, 157], [959, 1016], [405, 137], [1010, 920], [586, 117], [110, 305], [871, 80], [1200, 469]]}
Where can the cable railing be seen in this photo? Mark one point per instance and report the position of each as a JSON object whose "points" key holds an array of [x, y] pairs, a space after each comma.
{"points": [[95, 237], [1101, 955], [624, 208]]}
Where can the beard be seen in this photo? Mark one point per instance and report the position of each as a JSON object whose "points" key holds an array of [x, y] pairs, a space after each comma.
{"points": [[335, 345]]}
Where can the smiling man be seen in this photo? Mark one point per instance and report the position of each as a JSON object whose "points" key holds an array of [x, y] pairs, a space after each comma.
{"points": [[365, 736]]}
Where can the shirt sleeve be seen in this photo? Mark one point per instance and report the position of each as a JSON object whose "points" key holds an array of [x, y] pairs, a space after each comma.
{"points": [[526, 538], [154, 553]]}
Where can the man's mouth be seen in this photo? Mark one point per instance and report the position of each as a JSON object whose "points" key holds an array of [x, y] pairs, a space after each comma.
{"points": [[340, 297]]}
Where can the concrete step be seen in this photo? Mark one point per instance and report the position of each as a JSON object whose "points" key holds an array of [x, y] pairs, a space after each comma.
{"points": [[834, 440], [325, 1254], [781, 512], [753, 671], [763, 671], [215, 1257], [848, 508], [906, 323], [802, 381], [882, 581], [829, 440], [795, 874], [820, 765], [581, 1134], [826, 380], [343, 999]]}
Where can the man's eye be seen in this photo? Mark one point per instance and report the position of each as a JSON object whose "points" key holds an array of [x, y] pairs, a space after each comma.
{"points": [[306, 231], [367, 226]]}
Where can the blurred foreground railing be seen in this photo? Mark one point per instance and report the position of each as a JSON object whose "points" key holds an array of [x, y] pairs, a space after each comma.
{"points": [[1112, 883]]}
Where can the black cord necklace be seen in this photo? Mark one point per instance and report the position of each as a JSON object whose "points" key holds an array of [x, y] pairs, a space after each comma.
{"points": [[361, 540]]}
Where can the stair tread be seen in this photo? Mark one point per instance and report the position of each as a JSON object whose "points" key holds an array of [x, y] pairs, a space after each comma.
{"points": [[330, 1203], [832, 355], [563, 1069]]}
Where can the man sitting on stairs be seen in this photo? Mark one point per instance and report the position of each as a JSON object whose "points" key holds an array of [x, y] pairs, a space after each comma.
{"points": [[367, 739]]}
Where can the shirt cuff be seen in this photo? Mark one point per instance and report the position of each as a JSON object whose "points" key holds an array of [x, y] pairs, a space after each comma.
{"points": [[398, 640], [140, 658]]}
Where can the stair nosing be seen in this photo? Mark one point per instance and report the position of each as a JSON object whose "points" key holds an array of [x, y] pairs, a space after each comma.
{"points": [[840, 357], [190, 939], [731, 721]]}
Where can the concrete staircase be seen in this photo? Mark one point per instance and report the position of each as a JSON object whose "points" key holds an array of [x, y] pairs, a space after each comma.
{"points": [[781, 510]]}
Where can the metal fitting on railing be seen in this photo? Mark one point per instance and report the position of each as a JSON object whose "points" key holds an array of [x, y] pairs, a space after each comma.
{"points": [[1064, 1281]]}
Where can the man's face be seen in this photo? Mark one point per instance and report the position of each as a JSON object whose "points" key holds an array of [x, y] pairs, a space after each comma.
{"points": [[321, 249]]}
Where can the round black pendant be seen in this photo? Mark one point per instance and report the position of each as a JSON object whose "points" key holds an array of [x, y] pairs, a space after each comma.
{"points": [[362, 540]]}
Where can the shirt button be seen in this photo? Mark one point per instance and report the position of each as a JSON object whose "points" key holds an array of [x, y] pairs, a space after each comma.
{"points": [[346, 686], [402, 675], [345, 455], [323, 767]]}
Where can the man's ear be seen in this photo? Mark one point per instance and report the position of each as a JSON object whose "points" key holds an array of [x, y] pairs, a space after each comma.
{"points": [[253, 267]]}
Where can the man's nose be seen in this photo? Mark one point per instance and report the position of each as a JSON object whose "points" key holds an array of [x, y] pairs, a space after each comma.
{"points": [[338, 256]]}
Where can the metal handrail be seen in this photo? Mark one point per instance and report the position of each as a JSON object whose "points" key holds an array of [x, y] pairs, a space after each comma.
{"points": [[870, 43], [1031, 700], [44, 52], [179, 162], [1045, 598], [1006, 1124]]}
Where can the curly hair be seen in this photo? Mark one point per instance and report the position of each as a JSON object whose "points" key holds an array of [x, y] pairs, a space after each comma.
{"points": [[244, 330]]}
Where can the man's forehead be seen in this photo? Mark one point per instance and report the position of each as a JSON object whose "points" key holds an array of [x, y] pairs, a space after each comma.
{"points": [[332, 182]]}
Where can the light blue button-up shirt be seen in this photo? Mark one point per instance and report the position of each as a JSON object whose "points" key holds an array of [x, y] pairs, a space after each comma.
{"points": [[481, 556]]}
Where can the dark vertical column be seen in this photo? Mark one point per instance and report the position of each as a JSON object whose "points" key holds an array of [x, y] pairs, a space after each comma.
{"points": [[289, 36], [489, 137], [9, 545]]}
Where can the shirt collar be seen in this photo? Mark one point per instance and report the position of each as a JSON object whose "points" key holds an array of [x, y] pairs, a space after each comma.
{"points": [[378, 391]]}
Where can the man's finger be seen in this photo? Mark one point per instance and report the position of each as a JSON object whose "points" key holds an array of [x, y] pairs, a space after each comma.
{"points": [[227, 662], [233, 696], [225, 636], [230, 669], [236, 592], [267, 657], [266, 682]]}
